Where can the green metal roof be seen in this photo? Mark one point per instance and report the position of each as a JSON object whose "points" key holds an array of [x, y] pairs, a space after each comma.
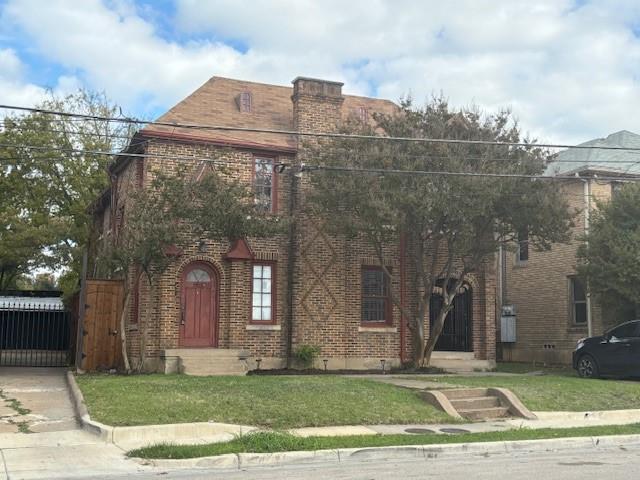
{"points": [[579, 160]]}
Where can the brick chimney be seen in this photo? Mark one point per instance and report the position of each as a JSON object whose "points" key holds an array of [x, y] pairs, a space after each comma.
{"points": [[316, 104]]}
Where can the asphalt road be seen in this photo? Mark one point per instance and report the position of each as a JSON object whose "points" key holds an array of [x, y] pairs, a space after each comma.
{"points": [[616, 463]]}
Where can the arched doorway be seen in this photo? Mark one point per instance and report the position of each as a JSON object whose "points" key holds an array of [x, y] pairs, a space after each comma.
{"points": [[456, 335], [199, 309]]}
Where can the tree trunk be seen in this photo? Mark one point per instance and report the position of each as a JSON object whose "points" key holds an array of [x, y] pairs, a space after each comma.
{"points": [[434, 334], [418, 341], [144, 330], [123, 335]]}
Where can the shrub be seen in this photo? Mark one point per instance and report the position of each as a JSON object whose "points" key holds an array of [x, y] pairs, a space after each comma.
{"points": [[306, 354]]}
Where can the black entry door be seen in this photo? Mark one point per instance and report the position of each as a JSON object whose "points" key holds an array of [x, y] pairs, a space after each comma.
{"points": [[456, 334]]}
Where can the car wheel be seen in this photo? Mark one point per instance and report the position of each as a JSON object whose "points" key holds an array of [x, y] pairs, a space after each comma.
{"points": [[587, 367]]}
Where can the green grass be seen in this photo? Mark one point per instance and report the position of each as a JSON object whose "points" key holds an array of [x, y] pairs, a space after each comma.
{"points": [[277, 402], [266, 442], [558, 392]]}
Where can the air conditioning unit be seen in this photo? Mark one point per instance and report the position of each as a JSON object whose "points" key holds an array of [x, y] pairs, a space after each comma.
{"points": [[509, 310]]}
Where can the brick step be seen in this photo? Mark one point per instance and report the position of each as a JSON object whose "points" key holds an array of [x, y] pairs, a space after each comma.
{"points": [[475, 402], [458, 393], [484, 413], [206, 353], [226, 366]]}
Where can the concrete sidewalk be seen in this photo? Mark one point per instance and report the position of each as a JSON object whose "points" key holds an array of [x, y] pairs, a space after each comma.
{"points": [[42, 391], [63, 454]]}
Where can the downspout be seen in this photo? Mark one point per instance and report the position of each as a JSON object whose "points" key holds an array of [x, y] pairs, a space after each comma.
{"points": [[291, 263], [403, 246], [587, 217]]}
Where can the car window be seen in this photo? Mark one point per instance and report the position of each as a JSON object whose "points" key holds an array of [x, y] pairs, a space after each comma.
{"points": [[627, 330]]}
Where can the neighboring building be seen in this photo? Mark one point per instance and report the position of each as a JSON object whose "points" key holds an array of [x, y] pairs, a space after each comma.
{"points": [[262, 298], [553, 308]]}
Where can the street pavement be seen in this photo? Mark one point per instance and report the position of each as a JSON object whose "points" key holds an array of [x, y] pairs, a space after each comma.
{"points": [[613, 463]]}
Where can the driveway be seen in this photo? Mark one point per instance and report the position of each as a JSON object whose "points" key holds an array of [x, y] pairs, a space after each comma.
{"points": [[35, 400]]}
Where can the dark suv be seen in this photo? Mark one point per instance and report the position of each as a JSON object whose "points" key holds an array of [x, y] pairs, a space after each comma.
{"points": [[616, 353]]}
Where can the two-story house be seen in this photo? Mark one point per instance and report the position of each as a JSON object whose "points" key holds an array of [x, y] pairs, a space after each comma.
{"points": [[553, 307], [224, 308]]}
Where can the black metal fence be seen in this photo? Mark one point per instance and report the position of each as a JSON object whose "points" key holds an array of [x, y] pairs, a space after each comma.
{"points": [[35, 334]]}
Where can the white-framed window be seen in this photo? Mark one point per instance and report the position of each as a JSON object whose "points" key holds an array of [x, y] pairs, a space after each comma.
{"points": [[263, 293], [522, 253], [577, 301], [263, 184]]}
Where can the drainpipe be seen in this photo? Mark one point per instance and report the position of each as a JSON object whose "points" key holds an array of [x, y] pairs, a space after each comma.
{"points": [[587, 216], [291, 263], [403, 247]]}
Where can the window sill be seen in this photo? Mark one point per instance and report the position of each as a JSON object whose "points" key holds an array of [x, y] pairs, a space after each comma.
{"points": [[365, 329], [578, 328], [520, 264], [255, 327]]}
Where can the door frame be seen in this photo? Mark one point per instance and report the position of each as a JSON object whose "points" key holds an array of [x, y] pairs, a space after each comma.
{"points": [[215, 299], [468, 313]]}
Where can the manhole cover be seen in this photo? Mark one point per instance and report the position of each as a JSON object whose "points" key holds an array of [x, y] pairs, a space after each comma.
{"points": [[454, 430], [418, 430]]}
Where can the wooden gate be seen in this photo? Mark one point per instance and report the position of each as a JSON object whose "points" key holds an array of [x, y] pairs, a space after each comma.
{"points": [[101, 345]]}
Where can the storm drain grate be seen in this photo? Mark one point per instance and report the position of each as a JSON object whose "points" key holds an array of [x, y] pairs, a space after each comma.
{"points": [[454, 430]]}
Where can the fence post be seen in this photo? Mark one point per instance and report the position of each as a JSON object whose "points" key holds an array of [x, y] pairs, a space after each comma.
{"points": [[82, 306]]}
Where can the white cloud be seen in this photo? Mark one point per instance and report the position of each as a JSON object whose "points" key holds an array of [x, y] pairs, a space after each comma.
{"points": [[14, 90], [569, 70]]}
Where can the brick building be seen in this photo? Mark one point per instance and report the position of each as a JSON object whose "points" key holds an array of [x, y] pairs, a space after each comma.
{"points": [[223, 308], [553, 308]]}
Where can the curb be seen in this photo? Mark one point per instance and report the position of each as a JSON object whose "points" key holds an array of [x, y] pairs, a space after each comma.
{"points": [[425, 452], [149, 434], [104, 432]]}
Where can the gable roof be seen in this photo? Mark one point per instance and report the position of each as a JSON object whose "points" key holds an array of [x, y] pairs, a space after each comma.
{"points": [[620, 162], [216, 103]]}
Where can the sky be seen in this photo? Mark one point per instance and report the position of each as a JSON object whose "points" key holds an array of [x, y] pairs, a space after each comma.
{"points": [[568, 69]]}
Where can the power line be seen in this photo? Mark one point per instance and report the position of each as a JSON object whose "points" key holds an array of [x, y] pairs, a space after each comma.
{"points": [[316, 134], [135, 155], [312, 168]]}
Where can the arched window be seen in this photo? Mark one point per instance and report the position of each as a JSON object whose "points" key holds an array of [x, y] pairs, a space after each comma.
{"points": [[198, 275]]}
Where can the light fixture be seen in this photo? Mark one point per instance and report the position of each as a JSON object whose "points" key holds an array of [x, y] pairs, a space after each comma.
{"points": [[202, 246]]}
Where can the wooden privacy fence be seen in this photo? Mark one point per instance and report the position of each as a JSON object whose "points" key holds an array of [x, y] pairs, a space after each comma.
{"points": [[101, 347]]}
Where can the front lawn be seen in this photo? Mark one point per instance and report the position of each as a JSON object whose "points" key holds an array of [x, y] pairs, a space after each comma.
{"points": [[266, 442], [558, 392], [275, 402]]}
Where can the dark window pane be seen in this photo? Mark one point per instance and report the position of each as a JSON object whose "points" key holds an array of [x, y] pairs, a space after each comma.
{"points": [[523, 246], [375, 301], [580, 312], [578, 290]]}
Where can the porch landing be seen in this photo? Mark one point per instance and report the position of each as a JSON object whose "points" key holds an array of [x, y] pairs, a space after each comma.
{"points": [[460, 362], [205, 361]]}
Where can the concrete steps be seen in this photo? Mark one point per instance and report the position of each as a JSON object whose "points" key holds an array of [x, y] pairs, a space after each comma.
{"points": [[206, 361], [476, 403]]}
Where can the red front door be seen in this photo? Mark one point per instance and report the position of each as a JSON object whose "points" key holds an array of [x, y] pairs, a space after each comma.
{"points": [[198, 323]]}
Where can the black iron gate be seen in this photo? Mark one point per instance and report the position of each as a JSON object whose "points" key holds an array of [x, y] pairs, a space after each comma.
{"points": [[35, 334], [456, 335]]}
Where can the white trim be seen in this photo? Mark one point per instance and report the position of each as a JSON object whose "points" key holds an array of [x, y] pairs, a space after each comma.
{"points": [[264, 327], [362, 329]]}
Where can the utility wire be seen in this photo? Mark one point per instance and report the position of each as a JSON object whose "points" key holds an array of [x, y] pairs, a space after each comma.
{"points": [[314, 134], [312, 168]]}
